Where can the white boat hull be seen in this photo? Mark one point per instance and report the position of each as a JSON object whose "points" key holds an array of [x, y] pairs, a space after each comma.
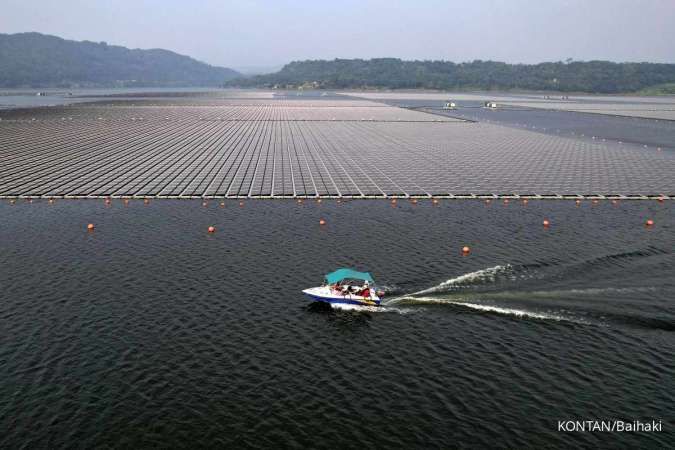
{"points": [[327, 295]]}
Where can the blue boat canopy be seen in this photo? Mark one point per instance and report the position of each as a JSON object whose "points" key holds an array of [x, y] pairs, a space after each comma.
{"points": [[348, 274]]}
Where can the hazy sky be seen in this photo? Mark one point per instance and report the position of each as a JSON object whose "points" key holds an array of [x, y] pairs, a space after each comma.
{"points": [[270, 33]]}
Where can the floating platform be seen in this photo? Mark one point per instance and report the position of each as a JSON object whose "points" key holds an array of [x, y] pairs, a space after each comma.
{"points": [[200, 146]]}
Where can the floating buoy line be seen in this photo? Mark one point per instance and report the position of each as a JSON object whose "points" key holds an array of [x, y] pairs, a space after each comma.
{"points": [[435, 200], [506, 198]]}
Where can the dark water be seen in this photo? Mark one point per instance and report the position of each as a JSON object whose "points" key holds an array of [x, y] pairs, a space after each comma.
{"points": [[631, 130], [149, 332]]}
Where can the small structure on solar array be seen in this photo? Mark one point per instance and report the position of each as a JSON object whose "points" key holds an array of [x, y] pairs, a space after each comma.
{"points": [[450, 105], [490, 105]]}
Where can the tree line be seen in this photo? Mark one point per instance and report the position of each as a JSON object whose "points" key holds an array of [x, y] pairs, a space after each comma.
{"points": [[391, 73]]}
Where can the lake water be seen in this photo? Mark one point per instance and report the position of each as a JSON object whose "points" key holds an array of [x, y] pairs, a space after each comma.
{"points": [[150, 332], [29, 98]]}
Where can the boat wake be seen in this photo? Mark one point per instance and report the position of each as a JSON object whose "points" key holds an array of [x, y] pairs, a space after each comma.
{"points": [[520, 313], [544, 290], [455, 292], [483, 276]]}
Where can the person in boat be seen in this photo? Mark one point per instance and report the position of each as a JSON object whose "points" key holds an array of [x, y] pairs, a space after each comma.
{"points": [[341, 288], [345, 288], [365, 292]]}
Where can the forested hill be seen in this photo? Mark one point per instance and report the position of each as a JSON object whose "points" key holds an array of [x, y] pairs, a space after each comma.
{"points": [[38, 60], [592, 76]]}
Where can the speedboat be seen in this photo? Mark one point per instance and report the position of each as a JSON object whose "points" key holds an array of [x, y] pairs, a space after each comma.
{"points": [[347, 286]]}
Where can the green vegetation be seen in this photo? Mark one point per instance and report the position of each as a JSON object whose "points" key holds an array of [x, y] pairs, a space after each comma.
{"points": [[37, 60], [661, 89], [390, 73]]}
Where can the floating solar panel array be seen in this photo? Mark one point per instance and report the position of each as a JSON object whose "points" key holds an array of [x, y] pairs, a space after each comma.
{"points": [[204, 146]]}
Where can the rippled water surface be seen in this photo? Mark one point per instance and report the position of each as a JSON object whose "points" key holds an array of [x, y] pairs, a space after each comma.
{"points": [[149, 331]]}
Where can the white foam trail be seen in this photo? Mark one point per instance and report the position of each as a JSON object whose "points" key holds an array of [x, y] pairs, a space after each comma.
{"points": [[482, 275], [514, 312], [493, 309], [560, 293]]}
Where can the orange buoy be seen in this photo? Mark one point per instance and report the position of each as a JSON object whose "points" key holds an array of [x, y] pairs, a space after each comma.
{"points": [[506, 201], [525, 201], [12, 202], [51, 201], [435, 201], [488, 201], [339, 201], [90, 227], [595, 201], [126, 202], [649, 222], [222, 204], [146, 201], [393, 201], [413, 201], [299, 201], [241, 203], [212, 229], [546, 223], [660, 199], [578, 202], [466, 250], [318, 200], [615, 202], [322, 222], [205, 204], [30, 200]]}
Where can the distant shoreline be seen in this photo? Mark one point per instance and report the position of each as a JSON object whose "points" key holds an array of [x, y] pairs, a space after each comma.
{"points": [[487, 91]]}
